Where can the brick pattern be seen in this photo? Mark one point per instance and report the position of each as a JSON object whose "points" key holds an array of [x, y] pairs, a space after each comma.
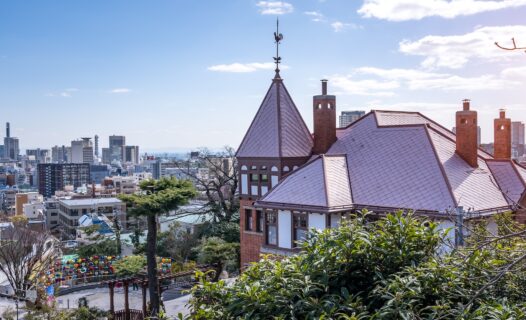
{"points": [[324, 109], [251, 241], [502, 141], [467, 136]]}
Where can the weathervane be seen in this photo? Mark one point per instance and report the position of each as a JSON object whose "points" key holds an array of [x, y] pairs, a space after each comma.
{"points": [[513, 48], [277, 37]]}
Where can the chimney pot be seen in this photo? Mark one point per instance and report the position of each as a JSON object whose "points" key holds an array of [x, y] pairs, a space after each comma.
{"points": [[467, 134], [502, 113], [465, 104], [324, 87]]}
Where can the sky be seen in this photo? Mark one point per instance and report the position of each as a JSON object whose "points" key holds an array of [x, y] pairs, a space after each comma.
{"points": [[180, 74]]}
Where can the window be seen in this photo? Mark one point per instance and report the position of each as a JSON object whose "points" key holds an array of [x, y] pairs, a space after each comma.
{"points": [[254, 178], [300, 226], [244, 168], [259, 221], [264, 178], [253, 167], [248, 219], [272, 228]]}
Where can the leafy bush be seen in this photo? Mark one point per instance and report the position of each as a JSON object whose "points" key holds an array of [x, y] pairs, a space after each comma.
{"points": [[130, 265], [384, 269]]}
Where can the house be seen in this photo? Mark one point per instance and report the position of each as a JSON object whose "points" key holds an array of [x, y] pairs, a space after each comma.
{"points": [[292, 180]]}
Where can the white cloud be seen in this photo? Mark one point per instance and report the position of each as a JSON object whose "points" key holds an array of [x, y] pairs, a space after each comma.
{"points": [[245, 67], [414, 79], [274, 7], [382, 82], [403, 10], [339, 26], [366, 87], [315, 16], [457, 50], [120, 90]]}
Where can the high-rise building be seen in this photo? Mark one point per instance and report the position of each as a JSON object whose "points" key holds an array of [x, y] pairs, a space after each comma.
{"points": [[348, 117], [54, 177], [39, 155], [96, 145], [106, 155], [117, 147], [59, 154], [82, 151], [132, 154], [11, 145], [517, 133]]}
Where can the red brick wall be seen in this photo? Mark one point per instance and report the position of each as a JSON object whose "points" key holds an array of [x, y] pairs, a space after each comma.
{"points": [[467, 135], [324, 108], [251, 241], [502, 142]]}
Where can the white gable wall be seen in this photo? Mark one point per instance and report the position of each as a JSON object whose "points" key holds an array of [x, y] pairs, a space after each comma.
{"points": [[317, 221], [284, 229]]}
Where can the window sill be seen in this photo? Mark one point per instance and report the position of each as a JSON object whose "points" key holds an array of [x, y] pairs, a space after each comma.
{"points": [[253, 232]]}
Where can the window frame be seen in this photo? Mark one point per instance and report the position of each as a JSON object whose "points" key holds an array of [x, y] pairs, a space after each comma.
{"points": [[301, 217], [271, 222]]}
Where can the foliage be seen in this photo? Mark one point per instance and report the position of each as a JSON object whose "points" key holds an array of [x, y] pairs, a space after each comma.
{"points": [[219, 187], [89, 230], [130, 265], [217, 252], [105, 247], [82, 313], [19, 220], [24, 254], [383, 269], [156, 197], [226, 230]]}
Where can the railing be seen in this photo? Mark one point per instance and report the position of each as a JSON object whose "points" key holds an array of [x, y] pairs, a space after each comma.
{"points": [[132, 315]]}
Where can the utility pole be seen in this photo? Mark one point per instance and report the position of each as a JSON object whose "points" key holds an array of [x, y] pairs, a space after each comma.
{"points": [[459, 227]]}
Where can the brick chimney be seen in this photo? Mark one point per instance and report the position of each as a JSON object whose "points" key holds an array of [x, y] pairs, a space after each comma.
{"points": [[467, 134], [324, 108], [502, 140]]}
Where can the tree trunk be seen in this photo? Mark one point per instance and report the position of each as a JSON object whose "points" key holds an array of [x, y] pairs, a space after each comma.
{"points": [[151, 248]]}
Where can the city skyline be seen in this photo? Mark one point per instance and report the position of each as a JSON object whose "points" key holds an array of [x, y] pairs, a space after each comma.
{"points": [[140, 70]]}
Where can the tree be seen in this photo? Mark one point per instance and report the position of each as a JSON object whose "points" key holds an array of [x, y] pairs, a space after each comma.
{"points": [[157, 197], [219, 187], [104, 247], [383, 269], [218, 253], [129, 266], [25, 254]]}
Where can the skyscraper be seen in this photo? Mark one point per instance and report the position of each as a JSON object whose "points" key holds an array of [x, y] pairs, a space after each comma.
{"points": [[517, 133], [117, 147], [132, 154], [11, 147], [82, 151], [96, 145], [348, 117]]}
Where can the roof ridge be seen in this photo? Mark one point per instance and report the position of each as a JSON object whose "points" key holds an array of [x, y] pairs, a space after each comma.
{"points": [[440, 165]]}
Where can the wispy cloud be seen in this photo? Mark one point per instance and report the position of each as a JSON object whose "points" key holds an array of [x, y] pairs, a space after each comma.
{"points": [[348, 84], [66, 93], [339, 26], [120, 90], [245, 67], [456, 50], [418, 9], [315, 16], [274, 7]]}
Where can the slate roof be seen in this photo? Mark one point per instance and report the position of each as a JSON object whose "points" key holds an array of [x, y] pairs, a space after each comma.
{"points": [[399, 160], [509, 178], [328, 183], [278, 130]]}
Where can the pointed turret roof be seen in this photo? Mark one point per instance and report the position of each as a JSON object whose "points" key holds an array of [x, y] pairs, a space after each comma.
{"points": [[278, 130]]}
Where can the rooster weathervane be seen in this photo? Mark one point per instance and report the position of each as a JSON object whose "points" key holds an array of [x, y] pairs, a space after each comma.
{"points": [[277, 37]]}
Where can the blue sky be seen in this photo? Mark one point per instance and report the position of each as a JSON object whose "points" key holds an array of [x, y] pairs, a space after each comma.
{"points": [[183, 74]]}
